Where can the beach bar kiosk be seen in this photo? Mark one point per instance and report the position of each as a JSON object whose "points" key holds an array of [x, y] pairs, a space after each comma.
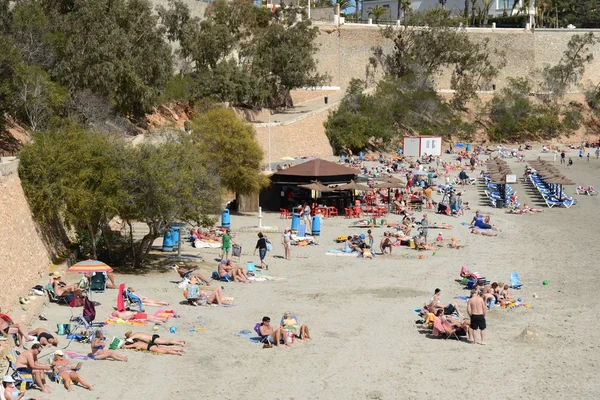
{"points": [[418, 146]]}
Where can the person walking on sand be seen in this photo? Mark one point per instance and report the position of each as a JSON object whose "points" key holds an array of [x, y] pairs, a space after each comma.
{"points": [[261, 246], [562, 157], [286, 240], [476, 309], [570, 165]]}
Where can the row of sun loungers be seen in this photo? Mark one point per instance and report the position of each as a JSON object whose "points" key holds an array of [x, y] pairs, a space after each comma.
{"points": [[551, 193]]}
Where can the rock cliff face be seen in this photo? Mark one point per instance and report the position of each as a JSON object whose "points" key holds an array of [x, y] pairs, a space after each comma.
{"points": [[24, 259]]}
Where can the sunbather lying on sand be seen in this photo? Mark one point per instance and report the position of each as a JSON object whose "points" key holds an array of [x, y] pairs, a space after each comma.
{"points": [[17, 329], [147, 338], [441, 226], [67, 372], [188, 272], [148, 301], [131, 315], [139, 345], [232, 272], [422, 244], [484, 232], [100, 353], [44, 337], [525, 210]]}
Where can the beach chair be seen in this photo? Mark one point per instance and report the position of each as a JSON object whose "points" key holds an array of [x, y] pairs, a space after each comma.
{"points": [[515, 280], [130, 298], [440, 331], [263, 339], [55, 298], [85, 322], [16, 375], [236, 251], [98, 282]]}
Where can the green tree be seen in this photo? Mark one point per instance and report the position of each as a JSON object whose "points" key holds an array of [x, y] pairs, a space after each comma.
{"points": [[228, 145], [116, 49], [442, 46], [568, 71], [404, 6], [69, 174], [9, 62], [378, 12], [36, 97], [165, 183]]}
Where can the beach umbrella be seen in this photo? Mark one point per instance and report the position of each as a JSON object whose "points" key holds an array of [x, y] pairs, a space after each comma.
{"points": [[316, 185], [390, 179], [352, 186], [89, 266]]}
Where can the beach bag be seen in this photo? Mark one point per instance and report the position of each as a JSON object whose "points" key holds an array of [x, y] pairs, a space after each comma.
{"points": [[63, 329], [215, 275], [269, 245], [116, 343], [76, 302]]}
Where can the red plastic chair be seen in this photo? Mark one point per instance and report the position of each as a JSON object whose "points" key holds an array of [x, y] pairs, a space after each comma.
{"points": [[284, 214], [348, 213], [332, 211], [357, 211]]}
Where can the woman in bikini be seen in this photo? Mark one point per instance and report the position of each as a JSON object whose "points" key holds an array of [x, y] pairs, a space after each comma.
{"points": [[148, 301], [100, 353], [151, 346], [44, 337], [145, 337], [67, 372], [291, 323], [286, 240]]}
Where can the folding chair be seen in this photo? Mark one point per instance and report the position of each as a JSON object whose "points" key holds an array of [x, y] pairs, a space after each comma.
{"points": [[515, 280], [16, 375], [98, 282], [130, 298], [86, 321], [53, 297], [236, 251]]}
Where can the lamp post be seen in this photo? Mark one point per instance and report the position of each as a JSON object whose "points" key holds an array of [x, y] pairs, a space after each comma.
{"points": [[269, 151], [309, 10]]}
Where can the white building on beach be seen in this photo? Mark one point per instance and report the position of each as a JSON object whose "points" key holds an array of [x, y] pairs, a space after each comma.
{"points": [[455, 6]]}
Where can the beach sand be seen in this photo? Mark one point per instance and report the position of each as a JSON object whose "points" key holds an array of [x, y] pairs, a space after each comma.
{"points": [[366, 344]]}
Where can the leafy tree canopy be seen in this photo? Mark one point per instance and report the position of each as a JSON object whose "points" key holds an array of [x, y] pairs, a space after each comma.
{"points": [[228, 146]]}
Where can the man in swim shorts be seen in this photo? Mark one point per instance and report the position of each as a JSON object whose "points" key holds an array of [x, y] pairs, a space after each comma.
{"points": [[27, 363], [274, 336], [476, 309]]}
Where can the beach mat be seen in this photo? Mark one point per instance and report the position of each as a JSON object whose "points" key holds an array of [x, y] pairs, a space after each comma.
{"points": [[246, 334], [341, 254]]}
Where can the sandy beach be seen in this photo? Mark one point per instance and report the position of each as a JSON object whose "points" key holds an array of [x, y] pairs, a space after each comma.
{"points": [[366, 344]]}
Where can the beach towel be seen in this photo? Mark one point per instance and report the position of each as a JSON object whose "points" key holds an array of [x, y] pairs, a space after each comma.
{"points": [[167, 314], [341, 253], [119, 321], [76, 356], [120, 300], [199, 244], [251, 336]]}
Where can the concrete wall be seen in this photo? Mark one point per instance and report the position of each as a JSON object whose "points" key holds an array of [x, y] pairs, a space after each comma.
{"points": [[197, 8], [23, 257], [344, 52]]}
